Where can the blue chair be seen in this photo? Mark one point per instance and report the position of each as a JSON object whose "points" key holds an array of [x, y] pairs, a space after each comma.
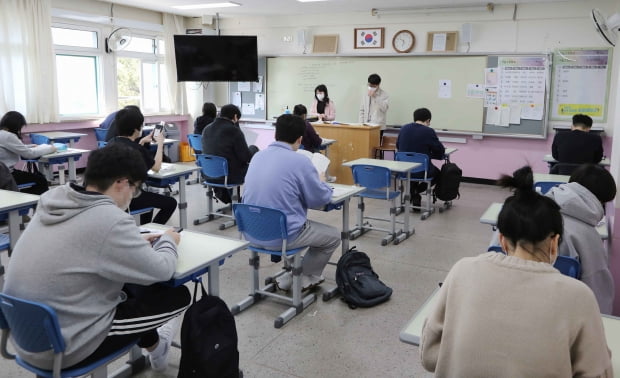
{"points": [[100, 134], [137, 212], [544, 186], [423, 159], [265, 224], [568, 266], [34, 327], [195, 142], [377, 181], [101, 144], [25, 185], [216, 167]]}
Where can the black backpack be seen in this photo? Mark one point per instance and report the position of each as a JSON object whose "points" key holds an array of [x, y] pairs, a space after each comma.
{"points": [[209, 339], [358, 284], [447, 187]]}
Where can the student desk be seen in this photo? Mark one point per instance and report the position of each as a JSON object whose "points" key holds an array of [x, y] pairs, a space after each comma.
{"points": [[171, 173], [449, 151], [549, 159], [412, 332], [11, 203], [200, 253], [62, 137], [70, 155], [354, 141], [549, 177], [395, 167], [491, 214]]}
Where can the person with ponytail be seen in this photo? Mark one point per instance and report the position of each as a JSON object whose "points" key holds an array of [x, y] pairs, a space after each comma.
{"points": [[515, 315]]}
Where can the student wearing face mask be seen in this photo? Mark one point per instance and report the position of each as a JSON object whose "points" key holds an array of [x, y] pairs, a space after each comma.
{"points": [[515, 315], [375, 103], [322, 106]]}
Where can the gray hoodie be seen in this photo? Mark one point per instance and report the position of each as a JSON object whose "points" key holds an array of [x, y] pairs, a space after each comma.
{"points": [[581, 212], [75, 256]]}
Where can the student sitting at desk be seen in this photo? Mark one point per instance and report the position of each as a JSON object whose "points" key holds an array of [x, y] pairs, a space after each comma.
{"points": [[209, 112], [420, 137], [129, 124], [322, 106], [282, 179], [12, 149], [577, 146], [311, 140], [515, 315], [83, 256], [582, 203]]}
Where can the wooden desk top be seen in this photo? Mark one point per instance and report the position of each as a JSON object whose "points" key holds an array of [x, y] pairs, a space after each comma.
{"points": [[352, 125]]}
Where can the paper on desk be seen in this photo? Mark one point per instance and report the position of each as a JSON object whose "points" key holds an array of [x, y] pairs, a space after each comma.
{"points": [[339, 191], [319, 161]]}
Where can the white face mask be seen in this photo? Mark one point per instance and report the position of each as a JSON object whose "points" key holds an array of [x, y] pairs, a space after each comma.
{"points": [[320, 96], [372, 89]]}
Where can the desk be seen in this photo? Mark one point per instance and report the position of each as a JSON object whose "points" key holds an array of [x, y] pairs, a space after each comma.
{"points": [[354, 141], [449, 151], [342, 194], [71, 155], [412, 332], [62, 137], [171, 173], [200, 253], [549, 159], [397, 167], [11, 202], [549, 177], [492, 212]]}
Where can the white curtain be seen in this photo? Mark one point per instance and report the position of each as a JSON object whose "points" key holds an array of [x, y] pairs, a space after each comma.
{"points": [[27, 61], [173, 24]]}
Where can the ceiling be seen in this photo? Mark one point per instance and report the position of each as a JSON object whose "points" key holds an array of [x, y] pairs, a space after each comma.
{"points": [[292, 7]]}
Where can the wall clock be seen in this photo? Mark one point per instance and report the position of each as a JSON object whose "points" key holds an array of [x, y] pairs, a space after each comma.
{"points": [[403, 41]]}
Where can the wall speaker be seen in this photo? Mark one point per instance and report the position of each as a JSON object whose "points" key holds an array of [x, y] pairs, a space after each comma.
{"points": [[466, 33]]}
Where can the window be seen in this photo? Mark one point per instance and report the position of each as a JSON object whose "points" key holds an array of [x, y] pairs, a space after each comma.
{"points": [[77, 70]]}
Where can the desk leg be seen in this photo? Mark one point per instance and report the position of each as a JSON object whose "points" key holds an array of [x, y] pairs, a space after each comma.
{"points": [[182, 204], [344, 234], [213, 279], [406, 232], [14, 231], [72, 170]]}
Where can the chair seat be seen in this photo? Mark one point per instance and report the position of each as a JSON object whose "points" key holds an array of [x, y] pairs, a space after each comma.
{"points": [[379, 194], [220, 185], [289, 252], [5, 242]]}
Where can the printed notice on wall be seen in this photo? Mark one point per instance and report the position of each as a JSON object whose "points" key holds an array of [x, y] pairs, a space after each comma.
{"points": [[490, 97], [475, 91], [522, 80], [258, 85], [580, 83], [445, 89]]}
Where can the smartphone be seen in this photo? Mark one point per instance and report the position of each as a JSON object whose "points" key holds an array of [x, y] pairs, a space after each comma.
{"points": [[177, 229], [158, 129]]}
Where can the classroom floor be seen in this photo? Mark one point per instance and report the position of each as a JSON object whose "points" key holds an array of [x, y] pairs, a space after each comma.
{"points": [[328, 339]]}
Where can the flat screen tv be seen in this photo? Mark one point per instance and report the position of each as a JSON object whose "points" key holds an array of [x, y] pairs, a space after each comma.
{"points": [[216, 58]]}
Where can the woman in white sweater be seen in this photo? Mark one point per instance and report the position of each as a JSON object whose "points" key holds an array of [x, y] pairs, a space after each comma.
{"points": [[12, 149], [515, 315]]}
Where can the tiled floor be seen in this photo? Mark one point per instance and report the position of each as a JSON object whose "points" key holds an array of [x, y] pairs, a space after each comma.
{"points": [[328, 339]]}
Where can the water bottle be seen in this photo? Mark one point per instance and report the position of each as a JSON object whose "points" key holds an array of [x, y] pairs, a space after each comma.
{"points": [[287, 110]]}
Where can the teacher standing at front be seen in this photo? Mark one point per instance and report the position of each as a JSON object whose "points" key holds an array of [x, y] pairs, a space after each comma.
{"points": [[375, 103]]}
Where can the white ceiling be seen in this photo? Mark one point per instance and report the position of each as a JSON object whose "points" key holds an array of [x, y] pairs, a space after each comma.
{"points": [[292, 7]]}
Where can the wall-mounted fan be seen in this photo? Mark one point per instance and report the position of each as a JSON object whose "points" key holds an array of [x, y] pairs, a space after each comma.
{"points": [[609, 28], [117, 40]]}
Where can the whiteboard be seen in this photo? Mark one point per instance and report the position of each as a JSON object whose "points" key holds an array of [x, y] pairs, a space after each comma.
{"points": [[411, 81]]}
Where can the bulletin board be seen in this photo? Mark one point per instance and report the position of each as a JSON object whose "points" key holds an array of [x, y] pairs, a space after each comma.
{"points": [[250, 97]]}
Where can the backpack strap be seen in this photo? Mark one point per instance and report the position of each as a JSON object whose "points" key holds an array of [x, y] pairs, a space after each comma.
{"points": [[198, 281]]}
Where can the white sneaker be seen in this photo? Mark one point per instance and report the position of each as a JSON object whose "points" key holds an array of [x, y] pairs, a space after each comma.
{"points": [[285, 281], [159, 357], [310, 281]]}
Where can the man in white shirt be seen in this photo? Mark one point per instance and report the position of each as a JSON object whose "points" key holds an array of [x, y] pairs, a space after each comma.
{"points": [[375, 103]]}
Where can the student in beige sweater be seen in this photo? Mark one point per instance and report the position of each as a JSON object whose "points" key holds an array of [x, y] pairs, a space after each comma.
{"points": [[515, 315]]}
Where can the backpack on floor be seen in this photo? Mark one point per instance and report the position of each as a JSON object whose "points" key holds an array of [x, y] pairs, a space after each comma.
{"points": [[447, 187], [358, 284], [208, 339]]}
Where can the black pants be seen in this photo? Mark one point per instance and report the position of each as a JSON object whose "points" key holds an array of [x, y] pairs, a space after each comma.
{"points": [[420, 187], [165, 204], [40, 182], [141, 308]]}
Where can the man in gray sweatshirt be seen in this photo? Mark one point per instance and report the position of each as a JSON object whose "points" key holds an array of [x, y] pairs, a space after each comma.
{"points": [[83, 255]]}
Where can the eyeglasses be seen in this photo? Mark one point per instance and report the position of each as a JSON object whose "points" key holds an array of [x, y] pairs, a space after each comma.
{"points": [[137, 189]]}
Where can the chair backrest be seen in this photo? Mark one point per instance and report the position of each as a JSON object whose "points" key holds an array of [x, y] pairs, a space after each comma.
{"points": [[544, 186], [563, 168], [261, 223], [39, 139], [34, 326], [101, 144], [100, 134], [389, 141], [7, 182], [371, 177], [195, 142], [568, 266], [213, 166], [414, 157]]}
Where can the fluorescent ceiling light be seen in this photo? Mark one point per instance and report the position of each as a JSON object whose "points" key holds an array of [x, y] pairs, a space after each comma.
{"points": [[207, 5], [489, 7]]}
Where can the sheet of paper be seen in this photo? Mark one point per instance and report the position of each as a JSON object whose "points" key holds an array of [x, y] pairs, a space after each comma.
{"points": [[532, 111], [259, 101], [504, 115], [493, 115], [490, 97], [475, 91], [320, 161], [491, 78], [439, 41], [515, 114], [236, 100], [339, 191], [445, 89], [247, 109], [244, 86], [257, 86]]}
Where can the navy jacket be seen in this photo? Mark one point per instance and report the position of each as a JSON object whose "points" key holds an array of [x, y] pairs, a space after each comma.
{"points": [[414, 137], [578, 147]]}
